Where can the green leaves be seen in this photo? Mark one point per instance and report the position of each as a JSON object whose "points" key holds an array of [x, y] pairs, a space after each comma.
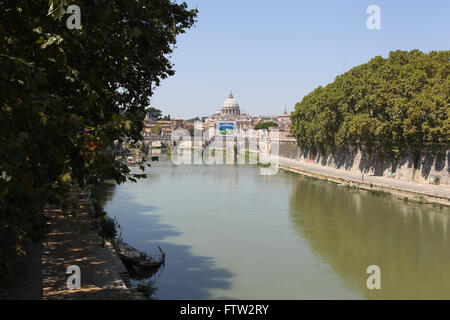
{"points": [[50, 40], [57, 8], [137, 32], [394, 106], [67, 96], [265, 125]]}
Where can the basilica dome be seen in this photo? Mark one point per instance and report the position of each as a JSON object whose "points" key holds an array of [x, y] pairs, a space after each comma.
{"points": [[230, 106]]}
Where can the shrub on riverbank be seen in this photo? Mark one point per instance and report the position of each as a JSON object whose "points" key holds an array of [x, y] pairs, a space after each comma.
{"points": [[108, 228], [380, 193], [264, 164]]}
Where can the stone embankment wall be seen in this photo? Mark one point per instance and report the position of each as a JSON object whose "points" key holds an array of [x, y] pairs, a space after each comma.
{"points": [[429, 168]]}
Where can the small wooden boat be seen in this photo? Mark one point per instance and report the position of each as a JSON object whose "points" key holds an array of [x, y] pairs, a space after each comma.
{"points": [[137, 259]]}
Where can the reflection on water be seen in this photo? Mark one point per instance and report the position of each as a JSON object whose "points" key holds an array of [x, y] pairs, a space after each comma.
{"points": [[352, 230], [104, 192], [229, 232], [185, 274]]}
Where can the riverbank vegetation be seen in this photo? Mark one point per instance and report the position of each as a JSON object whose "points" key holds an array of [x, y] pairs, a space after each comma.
{"points": [[251, 155], [264, 164], [380, 193], [265, 125], [389, 107], [67, 96]]}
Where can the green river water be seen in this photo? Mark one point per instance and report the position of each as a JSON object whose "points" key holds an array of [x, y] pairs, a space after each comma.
{"points": [[231, 233]]}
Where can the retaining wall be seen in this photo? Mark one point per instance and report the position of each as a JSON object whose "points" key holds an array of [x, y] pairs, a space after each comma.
{"points": [[429, 167]]}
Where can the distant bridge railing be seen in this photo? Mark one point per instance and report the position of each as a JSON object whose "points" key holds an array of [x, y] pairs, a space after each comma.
{"points": [[158, 138]]}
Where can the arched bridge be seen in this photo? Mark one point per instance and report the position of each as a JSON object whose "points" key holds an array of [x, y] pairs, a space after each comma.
{"points": [[253, 144], [149, 141]]}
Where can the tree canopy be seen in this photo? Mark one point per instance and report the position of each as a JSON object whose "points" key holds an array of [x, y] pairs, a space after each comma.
{"points": [[66, 95], [156, 114], [153, 113], [265, 125], [388, 106], [194, 119]]}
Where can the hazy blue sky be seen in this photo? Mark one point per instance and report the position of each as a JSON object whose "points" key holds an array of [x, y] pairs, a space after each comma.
{"points": [[274, 52]]}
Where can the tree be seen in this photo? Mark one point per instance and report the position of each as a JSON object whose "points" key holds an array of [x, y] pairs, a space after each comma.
{"points": [[265, 125], [67, 95], [194, 119], [153, 113], [389, 107]]}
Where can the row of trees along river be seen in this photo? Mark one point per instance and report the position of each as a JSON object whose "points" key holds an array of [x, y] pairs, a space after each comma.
{"points": [[68, 94], [389, 107]]}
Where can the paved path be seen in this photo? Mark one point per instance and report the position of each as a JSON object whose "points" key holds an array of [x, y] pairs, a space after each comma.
{"points": [[420, 188], [71, 242]]}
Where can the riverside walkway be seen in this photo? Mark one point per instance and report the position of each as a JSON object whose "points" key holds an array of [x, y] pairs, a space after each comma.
{"points": [[72, 241], [433, 193]]}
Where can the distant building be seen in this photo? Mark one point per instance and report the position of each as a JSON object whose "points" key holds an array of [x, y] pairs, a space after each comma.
{"points": [[273, 118], [177, 122], [229, 113], [166, 131], [284, 118], [227, 120], [283, 131], [150, 127]]}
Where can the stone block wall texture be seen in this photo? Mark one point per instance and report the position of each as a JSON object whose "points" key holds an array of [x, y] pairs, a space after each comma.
{"points": [[429, 167]]}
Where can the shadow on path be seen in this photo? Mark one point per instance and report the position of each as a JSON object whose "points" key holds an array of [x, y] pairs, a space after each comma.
{"points": [[28, 278]]}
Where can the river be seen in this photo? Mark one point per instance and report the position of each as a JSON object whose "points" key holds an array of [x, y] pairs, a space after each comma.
{"points": [[231, 233]]}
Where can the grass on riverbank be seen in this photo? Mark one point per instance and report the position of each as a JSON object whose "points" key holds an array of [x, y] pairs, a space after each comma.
{"points": [[107, 226], [264, 164], [380, 193], [147, 288]]}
